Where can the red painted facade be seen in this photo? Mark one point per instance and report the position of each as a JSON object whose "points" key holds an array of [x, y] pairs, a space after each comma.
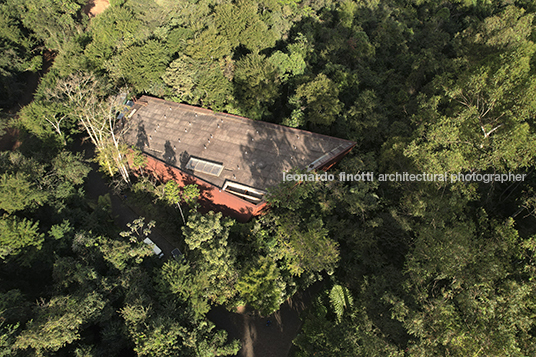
{"points": [[212, 198]]}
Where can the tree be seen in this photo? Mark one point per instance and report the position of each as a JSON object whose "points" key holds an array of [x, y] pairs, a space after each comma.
{"points": [[307, 250], [120, 253], [241, 24], [464, 293], [200, 81], [302, 237], [209, 45], [84, 95], [470, 126], [287, 65], [141, 66], [207, 239], [174, 195], [55, 23], [260, 286], [17, 192], [179, 279], [16, 234], [16, 45], [355, 334], [317, 100], [112, 31], [7, 338], [58, 323], [256, 84]]}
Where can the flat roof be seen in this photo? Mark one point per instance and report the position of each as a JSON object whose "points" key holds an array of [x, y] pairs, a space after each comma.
{"points": [[253, 153]]}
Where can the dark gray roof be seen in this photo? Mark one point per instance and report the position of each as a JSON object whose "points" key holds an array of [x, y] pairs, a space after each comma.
{"points": [[252, 153]]}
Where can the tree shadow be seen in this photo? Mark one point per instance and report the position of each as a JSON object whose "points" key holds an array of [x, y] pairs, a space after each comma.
{"points": [[141, 137], [184, 157], [169, 153]]}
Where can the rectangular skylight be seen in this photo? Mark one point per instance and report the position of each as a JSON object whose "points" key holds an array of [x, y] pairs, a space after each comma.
{"points": [[248, 193], [203, 166]]}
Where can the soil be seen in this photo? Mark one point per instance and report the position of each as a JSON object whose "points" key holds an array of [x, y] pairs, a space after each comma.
{"points": [[269, 336], [95, 7]]}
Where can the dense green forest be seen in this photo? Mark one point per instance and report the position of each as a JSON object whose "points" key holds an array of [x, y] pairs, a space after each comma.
{"points": [[406, 268]]}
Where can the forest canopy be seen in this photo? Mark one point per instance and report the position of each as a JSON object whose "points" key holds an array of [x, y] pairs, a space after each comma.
{"points": [[403, 268]]}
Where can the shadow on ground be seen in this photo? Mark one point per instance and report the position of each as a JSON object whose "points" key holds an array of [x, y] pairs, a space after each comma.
{"points": [[260, 338]]}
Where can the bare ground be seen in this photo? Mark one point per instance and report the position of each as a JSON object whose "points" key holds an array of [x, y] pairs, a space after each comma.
{"points": [[260, 338], [95, 7]]}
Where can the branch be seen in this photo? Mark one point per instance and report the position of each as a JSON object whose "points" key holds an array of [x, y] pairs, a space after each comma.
{"points": [[486, 135]]}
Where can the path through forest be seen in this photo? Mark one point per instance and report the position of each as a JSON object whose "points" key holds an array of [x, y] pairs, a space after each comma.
{"points": [[259, 337]]}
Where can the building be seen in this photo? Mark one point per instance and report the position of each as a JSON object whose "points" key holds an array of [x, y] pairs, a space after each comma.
{"points": [[232, 159]]}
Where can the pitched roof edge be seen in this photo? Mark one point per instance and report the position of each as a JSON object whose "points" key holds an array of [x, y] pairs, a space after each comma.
{"points": [[238, 117]]}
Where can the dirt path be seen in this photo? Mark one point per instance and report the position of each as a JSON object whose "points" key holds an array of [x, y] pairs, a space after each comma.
{"points": [[95, 7], [260, 339]]}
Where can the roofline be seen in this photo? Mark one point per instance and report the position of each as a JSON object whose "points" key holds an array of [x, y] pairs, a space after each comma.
{"points": [[234, 116]]}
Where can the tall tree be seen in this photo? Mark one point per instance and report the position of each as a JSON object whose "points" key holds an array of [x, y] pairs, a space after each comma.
{"points": [[85, 96], [207, 239]]}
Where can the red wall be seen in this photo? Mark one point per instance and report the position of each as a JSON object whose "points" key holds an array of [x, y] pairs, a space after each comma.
{"points": [[212, 198]]}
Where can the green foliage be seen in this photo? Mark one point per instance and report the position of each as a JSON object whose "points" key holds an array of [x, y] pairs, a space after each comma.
{"points": [[356, 335], [139, 161], [110, 32], [17, 192], [208, 45], [301, 235], [340, 299], [260, 286], [425, 269], [199, 82], [256, 80], [308, 250], [207, 239], [7, 337], [17, 57], [141, 66], [54, 23], [485, 105], [121, 253], [241, 24], [178, 278], [318, 100], [16, 234], [107, 158], [70, 167], [288, 65], [59, 324], [175, 194]]}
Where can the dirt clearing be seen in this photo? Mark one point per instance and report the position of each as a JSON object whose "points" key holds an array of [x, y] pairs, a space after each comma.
{"points": [[95, 7]]}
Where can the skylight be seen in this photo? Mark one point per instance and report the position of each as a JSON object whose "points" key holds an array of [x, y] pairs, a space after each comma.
{"points": [[203, 166]]}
